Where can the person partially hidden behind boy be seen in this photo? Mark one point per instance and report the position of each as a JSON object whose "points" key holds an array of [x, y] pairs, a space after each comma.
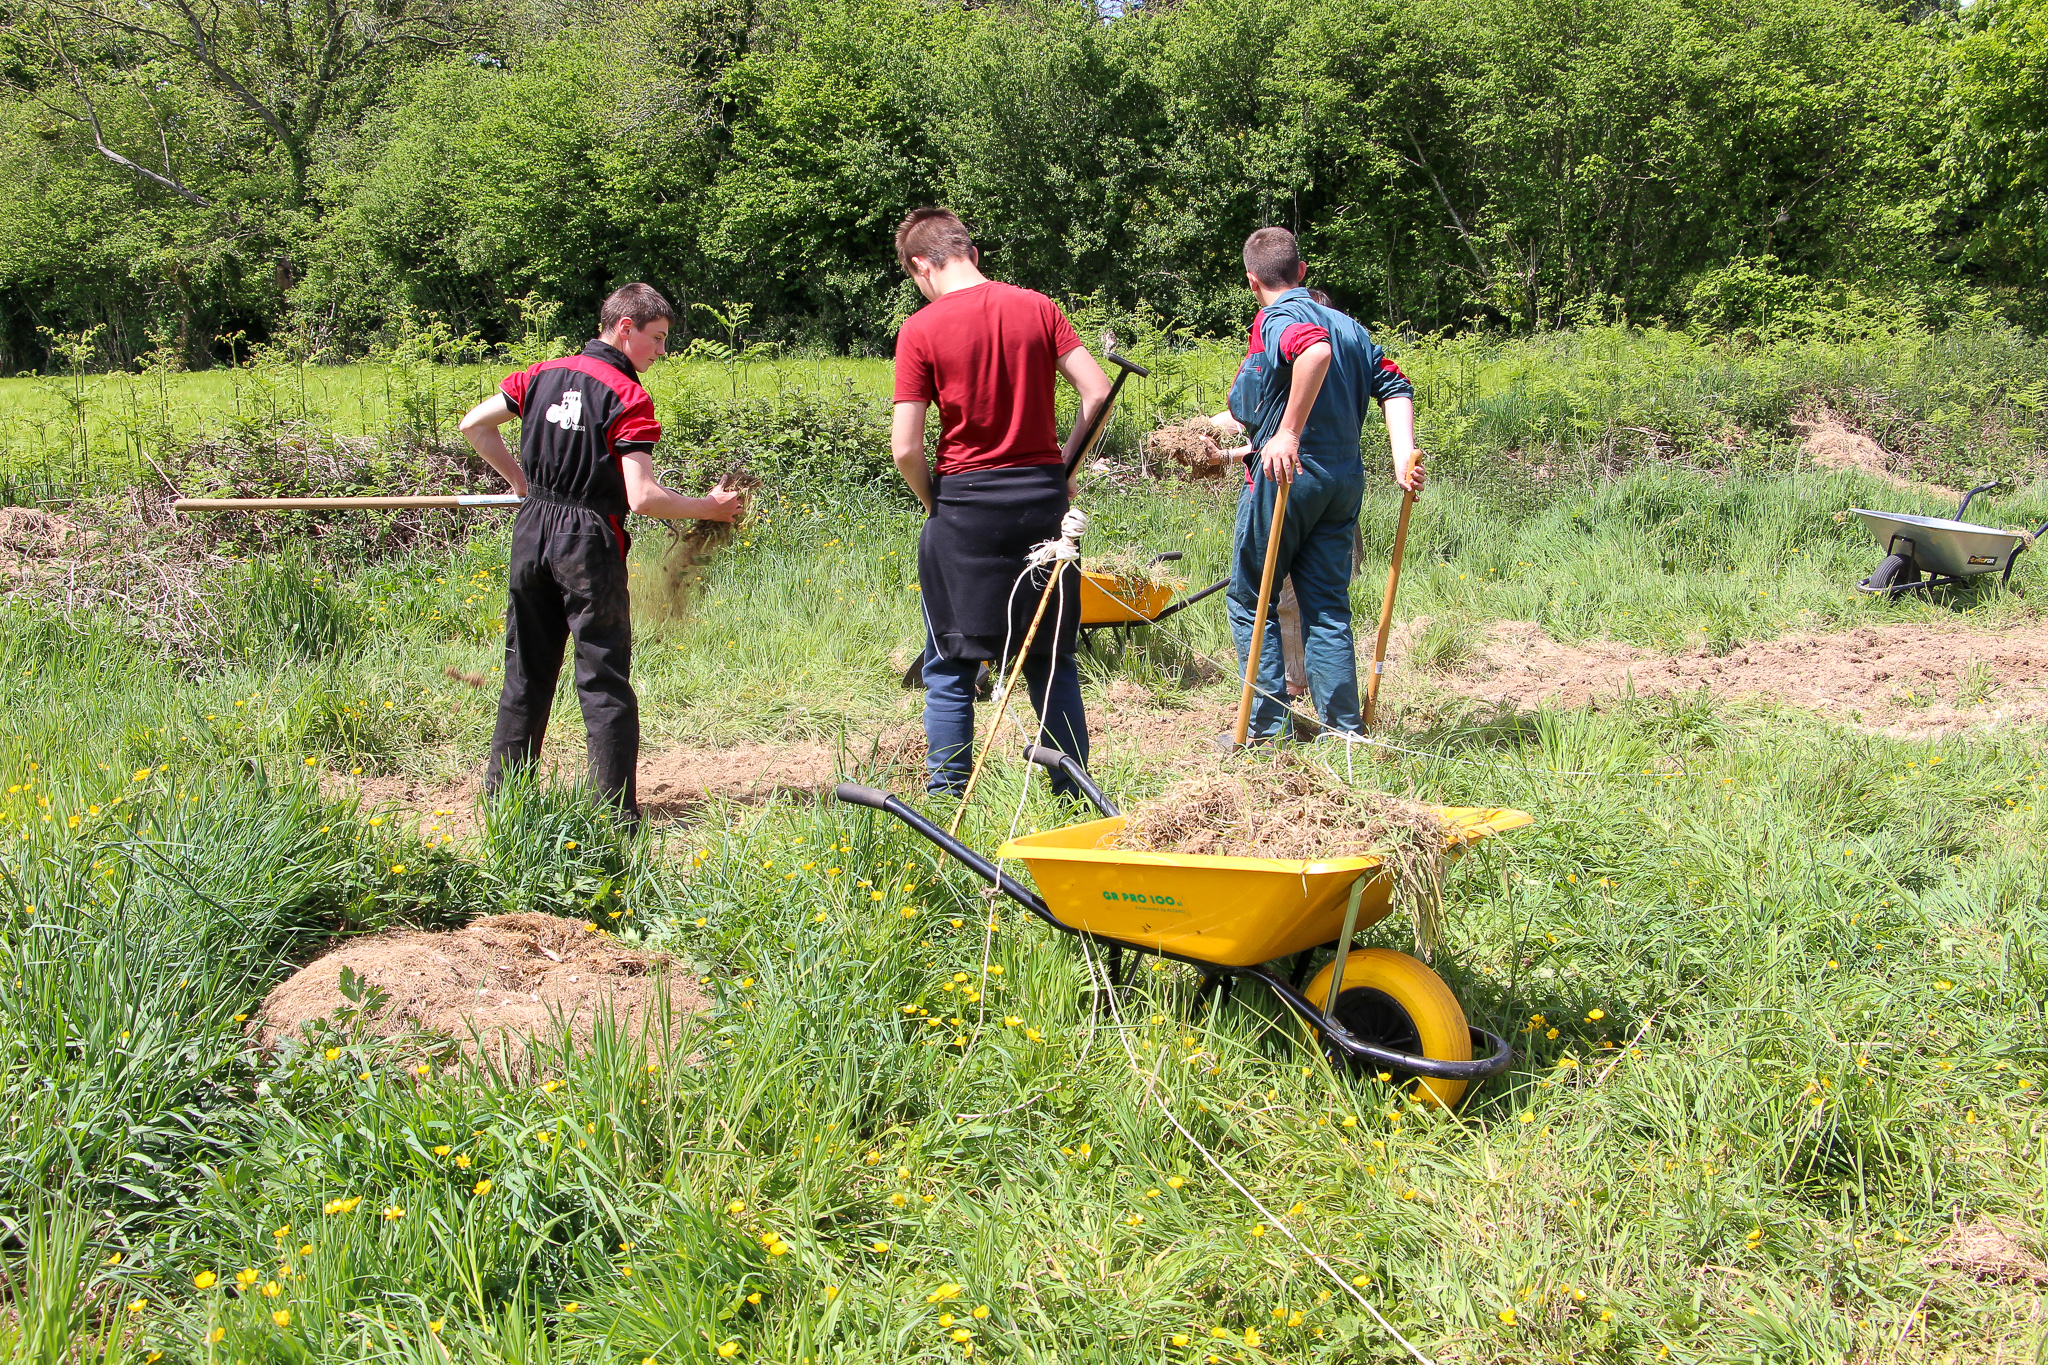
{"points": [[987, 354], [1302, 394], [586, 436]]}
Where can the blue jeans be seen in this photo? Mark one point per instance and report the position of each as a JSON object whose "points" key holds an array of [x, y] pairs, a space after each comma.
{"points": [[949, 717], [1315, 548]]}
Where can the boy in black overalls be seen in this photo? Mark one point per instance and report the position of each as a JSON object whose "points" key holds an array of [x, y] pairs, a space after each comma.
{"points": [[586, 434]]}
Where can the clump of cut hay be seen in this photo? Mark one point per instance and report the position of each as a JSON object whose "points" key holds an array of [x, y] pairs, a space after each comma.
{"points": [[1132, 565], [1292, 811], [1187, 444], [689, 551]]}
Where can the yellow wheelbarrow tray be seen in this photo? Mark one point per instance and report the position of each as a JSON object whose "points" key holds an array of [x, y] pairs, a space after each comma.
{"points": [[1109, 601], [1227, 917]]}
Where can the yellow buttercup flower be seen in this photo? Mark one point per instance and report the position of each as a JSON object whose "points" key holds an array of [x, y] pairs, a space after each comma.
{"points": [[282, 1317], [205, 1279]]}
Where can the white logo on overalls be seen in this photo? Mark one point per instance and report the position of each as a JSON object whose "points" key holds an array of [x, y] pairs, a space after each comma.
{"points": [[568, 414]]}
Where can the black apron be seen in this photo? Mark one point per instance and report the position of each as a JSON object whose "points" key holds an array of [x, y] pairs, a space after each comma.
{"points": [[971, 550]]}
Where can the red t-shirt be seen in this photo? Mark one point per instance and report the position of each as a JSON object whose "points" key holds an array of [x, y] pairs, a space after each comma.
{"points": [[985, 355]]}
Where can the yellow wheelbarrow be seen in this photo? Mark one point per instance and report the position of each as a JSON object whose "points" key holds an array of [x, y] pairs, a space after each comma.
{"points": [[1113, 602], [1385, 1013]]}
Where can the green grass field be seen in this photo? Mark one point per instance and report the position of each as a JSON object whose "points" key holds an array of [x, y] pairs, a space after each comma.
{"points": [[1775, 985]]}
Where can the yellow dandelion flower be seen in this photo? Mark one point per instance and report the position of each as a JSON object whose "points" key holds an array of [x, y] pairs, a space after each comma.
{"points": [[482, 1187], [1507, 1315]]}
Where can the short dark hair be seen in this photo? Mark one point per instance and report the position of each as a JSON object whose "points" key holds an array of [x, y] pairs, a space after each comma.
{"points": [[1273, 256], [936, 234], [639, 302]]}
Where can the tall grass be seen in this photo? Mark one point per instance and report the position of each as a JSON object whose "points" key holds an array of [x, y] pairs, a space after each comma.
{"points": [[1955, 404]]}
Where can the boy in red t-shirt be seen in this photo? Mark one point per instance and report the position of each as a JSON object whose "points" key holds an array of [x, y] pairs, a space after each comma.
{"points": [[987, 353]]}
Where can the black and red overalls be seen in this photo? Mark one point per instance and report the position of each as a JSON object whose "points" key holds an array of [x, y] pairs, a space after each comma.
{"points": [[577, 416]]}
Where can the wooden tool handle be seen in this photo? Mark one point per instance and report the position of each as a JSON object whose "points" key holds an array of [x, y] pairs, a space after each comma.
{"points": [[331, 504], [1251, 663], [1379, 648]]}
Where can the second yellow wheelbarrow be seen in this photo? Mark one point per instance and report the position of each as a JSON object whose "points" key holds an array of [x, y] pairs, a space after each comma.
{"points": [[1384, 1013]]}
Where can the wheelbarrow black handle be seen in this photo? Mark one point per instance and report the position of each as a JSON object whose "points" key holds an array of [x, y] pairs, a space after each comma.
{"points": [[1980, 488], [1218, 586], [1167, 558], [1051, 759], [887, 802]]}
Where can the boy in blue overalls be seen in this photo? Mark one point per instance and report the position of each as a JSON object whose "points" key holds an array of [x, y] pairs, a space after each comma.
{"points": [[1309, 375]]}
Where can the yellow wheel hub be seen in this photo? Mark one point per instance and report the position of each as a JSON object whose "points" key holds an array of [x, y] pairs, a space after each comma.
{"points": [[1392, 1000]]}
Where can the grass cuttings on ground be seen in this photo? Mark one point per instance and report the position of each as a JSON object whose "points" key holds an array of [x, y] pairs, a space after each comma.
{"points": [[1291, 810]]}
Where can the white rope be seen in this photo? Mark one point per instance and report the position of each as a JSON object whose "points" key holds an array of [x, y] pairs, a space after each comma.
{"points": [[1066, 546], [1150, 1082]]}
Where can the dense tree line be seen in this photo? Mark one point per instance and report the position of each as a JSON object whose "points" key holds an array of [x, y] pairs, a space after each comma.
{"points": [[189, 175]]}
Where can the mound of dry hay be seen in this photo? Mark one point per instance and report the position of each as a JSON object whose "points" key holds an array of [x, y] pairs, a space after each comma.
{"points": [[1291, 811], [689, 552]]}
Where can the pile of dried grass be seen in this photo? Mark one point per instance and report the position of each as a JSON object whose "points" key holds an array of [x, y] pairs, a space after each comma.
{"points": [[1131, 565], [1291, 810], [689, 551]]}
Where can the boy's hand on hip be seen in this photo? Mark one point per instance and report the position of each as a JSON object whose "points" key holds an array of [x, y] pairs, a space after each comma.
{"points": [[1281, 456]]}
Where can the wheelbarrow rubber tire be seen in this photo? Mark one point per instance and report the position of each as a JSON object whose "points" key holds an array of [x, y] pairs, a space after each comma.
{"points": [[1894, 570], [1391, 999]]}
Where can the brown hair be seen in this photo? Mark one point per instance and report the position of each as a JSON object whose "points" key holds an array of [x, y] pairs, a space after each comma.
{"points": [[936, 235], [639, 302], [1273, 256]]}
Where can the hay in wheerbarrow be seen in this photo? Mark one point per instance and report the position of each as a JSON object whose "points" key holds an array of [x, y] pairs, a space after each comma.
{"points": [[1290, 810], [690, 551]]}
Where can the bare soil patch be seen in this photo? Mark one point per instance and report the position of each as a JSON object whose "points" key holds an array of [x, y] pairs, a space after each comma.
{"points": [[1900, 679], [671, 781], [492, 987], [1832, 443]]}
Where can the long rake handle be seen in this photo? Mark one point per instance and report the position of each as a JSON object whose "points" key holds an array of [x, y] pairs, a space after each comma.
{"points": [[1379, 648], [328, 504], [1251, 663], [1003, 702]]}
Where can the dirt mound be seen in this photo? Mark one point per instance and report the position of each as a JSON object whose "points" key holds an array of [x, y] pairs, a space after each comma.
{"points": [[1832, 443], [1989, 1251], [35, 534], [491, 987], [1904, 679], [756, 772]]}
